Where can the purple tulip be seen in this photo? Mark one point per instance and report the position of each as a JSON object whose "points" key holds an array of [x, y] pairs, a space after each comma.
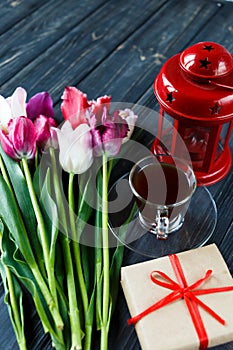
{"points": [[40, 104], [107, 137], [20, 141], [45, 135]]}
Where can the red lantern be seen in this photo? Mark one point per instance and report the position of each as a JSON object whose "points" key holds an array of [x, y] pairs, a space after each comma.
{"points": [[195, 92]]}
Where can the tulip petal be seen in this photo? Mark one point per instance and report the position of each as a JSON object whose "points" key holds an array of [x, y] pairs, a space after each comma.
{"points": [[7, 145], [80, 149], [63, 142], [5, 113], [18, 103], [131, 118], [75, 148], [43, 126], [107, 137], [74, 106], [98, 105], [40, 103], [22, 134], [84, 160], [112, 147]]}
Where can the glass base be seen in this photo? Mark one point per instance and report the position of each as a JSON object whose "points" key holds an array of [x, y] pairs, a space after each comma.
{"points": [[173, 226], [197, 228]]}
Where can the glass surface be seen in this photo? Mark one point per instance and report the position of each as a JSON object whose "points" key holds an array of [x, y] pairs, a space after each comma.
{"points": [[199, 224], [162, 186]]}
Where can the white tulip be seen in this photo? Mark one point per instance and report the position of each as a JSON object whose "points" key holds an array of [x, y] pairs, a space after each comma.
{"points": [[76, 154], [12, 107]]}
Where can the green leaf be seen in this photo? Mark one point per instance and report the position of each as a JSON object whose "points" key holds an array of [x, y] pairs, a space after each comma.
{"points": [[13, 297], [23, 199], [20, 189], [117, 259], [89, 321], [11, 216], [87, 257], [14, 310], [12, 258], [115, 274], [84, 209], [98, 255], [50, 215], [1, 227]]}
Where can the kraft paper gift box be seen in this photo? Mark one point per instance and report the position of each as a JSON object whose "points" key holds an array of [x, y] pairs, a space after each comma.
{"points": [[171, 327]]}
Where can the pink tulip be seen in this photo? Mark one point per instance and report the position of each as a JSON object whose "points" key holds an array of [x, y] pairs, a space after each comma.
{"points": [[98, 105], [40, 104], [20, 141], [45, 135], [108, 135], [74, 106]]}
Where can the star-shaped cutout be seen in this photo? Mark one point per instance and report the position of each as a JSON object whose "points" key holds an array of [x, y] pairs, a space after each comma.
{"points": [[204, 63], [208, 48], [215, 109], [170, 97]]}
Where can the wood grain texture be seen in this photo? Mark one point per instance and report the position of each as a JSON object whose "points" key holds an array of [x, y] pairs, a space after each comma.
{"points": [[78, 52], [107, 47], [12, 11], [32, 36]]}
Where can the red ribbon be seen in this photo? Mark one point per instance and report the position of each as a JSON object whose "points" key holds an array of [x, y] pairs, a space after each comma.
{"points": [[182, 290]]}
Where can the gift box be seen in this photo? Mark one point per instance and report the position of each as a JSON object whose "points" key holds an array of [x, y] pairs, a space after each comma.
{"points": [[181, 301]]}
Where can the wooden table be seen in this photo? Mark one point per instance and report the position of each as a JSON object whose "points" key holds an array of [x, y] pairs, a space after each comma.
{"points": [[115, 48]]}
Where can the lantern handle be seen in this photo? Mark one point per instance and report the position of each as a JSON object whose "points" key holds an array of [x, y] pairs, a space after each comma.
{"points": [[221, 85]]}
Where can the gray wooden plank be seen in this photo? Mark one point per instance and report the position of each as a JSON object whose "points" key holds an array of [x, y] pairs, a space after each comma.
{"points": [[12, 11], [76, 54], [33, 35], [226, 248], [217, 27], [131, 69]]}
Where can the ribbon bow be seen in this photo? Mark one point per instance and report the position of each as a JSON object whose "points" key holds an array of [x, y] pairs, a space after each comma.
{"points": [[182, 290]]}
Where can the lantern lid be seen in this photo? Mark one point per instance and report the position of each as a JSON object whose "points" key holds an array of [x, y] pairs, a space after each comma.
{"points": [[206, 60], [189, 87]]}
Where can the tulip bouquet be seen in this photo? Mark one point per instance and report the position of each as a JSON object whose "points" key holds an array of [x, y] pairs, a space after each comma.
{"points": [[46, 183]]}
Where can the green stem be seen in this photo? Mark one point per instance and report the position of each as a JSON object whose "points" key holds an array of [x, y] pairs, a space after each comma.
{"points": [[110, 162], [88, 337], [14, 306], [53, 304], [4, 173], [57, 190], [76, 334], [105, 310], [98, 254], [75, 325], [36, 158], [77, 247], [18, 324], [44, 240], [77, 256], [48, 298]]}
